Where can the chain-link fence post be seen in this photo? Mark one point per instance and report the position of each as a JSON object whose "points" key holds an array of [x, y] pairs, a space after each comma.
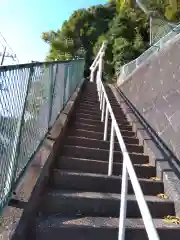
{"points": [[53, 79], [66, 75], [11, 173]]}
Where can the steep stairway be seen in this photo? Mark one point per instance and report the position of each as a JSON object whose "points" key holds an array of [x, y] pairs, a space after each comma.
{"points": [[82, 202]]}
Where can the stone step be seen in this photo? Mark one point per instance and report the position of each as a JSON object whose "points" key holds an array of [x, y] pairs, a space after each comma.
{"points": [[89, 112], [99, 127], [96, 100], [97, 122], [91, 103], [98, 228], [96, 107], [90, 100], [101, 167], [88, 116], [91, 92], [95, 96], [97, 116], [78, 114], [99, 183], [89, 106], [91, 97], [98, 204], [117, 112], [100, 144], [101, 154], [99, 135]]}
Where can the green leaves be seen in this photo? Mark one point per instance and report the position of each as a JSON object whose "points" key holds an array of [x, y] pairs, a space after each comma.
{"points": [[80, 33], [126, 37], [83, 33], [126, 28]]}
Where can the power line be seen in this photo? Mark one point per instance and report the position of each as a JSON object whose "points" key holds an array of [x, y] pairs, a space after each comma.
{"points": [[7, 51]]}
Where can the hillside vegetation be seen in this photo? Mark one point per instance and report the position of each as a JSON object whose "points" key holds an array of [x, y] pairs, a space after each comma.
{"points": [[123, 25]]}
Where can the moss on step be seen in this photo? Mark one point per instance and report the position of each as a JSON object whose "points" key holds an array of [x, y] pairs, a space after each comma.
{"points": [[155, 178], [147, 165], [162, 195], [172, 220]]}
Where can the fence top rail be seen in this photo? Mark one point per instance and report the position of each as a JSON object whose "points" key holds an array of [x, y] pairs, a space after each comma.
{"points": [[36, 64]]}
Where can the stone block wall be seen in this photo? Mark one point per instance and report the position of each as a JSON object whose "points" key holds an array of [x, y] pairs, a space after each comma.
{"points": [[154, 89]]}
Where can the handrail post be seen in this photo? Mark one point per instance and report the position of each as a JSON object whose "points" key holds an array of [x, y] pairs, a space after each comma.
{"points": [[92, 75], [98, 91], [103, 109], [101, 64], [100, 74], [101, 96], [106, 124], [123, 204], [111, 150], [98, 84]]}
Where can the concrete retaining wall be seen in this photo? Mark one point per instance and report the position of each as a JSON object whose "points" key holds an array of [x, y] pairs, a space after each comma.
{"points": [[154, 90]]}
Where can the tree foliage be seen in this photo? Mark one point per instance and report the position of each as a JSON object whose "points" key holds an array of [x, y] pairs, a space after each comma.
{"points": [[124, 26], [162, 8], [127, 37], [80, 33]]}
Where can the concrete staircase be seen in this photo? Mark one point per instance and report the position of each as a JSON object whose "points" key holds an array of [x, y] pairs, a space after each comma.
{"points": [[82, 202]]}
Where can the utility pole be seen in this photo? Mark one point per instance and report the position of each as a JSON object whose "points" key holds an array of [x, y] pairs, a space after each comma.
{"points": [[5, 54], [6, 51]]}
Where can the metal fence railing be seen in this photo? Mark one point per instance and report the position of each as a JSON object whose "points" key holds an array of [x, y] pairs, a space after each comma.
{"points": [[31, 98], [159, 24], [158, 29]]}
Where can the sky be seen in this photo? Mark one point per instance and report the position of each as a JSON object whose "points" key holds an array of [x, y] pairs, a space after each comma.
{"points": [[23, 21]]}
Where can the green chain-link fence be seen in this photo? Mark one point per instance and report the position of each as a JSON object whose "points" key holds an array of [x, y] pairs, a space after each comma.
{"points": [[159, 24], [31, 98], [159, 28], [161, 31], [127, 69]]}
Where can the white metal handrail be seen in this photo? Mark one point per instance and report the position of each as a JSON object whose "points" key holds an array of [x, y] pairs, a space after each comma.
{"points": [[128, 168], [98, 55]]}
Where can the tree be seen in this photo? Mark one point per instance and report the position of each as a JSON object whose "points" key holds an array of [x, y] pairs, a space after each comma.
{"points": [[162, 9], [124, 4], [126, 31], [127, 37], [79, 34]]}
